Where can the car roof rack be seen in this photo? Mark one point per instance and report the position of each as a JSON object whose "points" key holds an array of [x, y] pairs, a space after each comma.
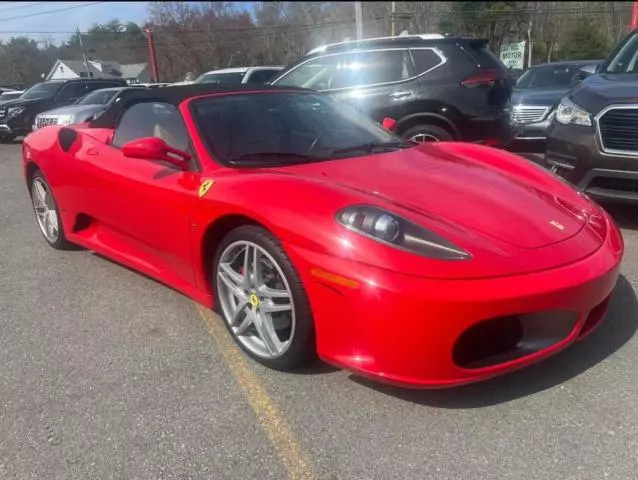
{"points": [[421, 36]]}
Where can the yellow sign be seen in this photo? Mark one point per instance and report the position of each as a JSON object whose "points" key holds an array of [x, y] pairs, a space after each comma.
{"points": [[205, 187], [254, 300], [560, 226]]}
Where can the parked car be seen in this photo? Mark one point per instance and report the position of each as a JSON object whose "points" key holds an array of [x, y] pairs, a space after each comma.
{"points": [[10, 95], [252, 75], [17, 116], [593, 140], [537, 94], [85, 109], [435, 87], [313, 231]]}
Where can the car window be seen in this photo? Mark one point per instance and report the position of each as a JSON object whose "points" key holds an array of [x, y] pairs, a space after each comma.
{"points": [[98, 97], [42, 90], [626, 60], [290, 124], [72, 91], [260, 76], [315, 73], [152, 119], [373, 67], [351, 70], [550, 76], [424, 60], [233, 78]]}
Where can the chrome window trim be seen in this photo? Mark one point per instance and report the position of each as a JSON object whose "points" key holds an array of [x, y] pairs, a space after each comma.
{"points": [[438, 52], [601, 146]]}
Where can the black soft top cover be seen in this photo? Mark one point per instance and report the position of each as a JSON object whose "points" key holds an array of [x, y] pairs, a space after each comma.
{"points": [[175, 95]]}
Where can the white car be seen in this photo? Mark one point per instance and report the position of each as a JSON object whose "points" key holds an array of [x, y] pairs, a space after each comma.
{"points": [[253, 75]]}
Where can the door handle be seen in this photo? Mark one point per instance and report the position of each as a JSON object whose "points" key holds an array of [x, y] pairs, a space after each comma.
{"points": [[92, 151], [400, 95]]}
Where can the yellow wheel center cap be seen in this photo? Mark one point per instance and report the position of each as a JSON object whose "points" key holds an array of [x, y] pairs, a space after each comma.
{"points": [[254, 300]]}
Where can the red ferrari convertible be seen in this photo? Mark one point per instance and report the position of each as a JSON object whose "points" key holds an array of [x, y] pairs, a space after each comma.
{"points": [[313, 230]]}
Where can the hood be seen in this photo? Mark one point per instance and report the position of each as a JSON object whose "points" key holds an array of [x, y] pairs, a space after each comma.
{"points": [[465, 193], [24, 102], [598, 91], [541, 97], [80, 111]]}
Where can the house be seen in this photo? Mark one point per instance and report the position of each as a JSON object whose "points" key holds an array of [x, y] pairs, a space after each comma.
{"points": [[132, 73]]}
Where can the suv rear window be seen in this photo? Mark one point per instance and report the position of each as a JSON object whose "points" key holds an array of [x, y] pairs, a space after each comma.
{"points": [[483, 55]]}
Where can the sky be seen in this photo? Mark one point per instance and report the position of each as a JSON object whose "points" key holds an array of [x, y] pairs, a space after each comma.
{"points": [[60, 17], [22, 18]]}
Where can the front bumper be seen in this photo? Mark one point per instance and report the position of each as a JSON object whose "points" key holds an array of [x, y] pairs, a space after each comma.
{"points": [[413, 332], [533, 131], [13, 128], [574, 152]]}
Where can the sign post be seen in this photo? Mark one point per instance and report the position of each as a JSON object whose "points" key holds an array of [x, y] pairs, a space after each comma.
{"points": [[513, 55]]}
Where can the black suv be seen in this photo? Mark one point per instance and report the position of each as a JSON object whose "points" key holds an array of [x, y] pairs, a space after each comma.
{"points": [[17, 116], [436, 88], [593, 140]]}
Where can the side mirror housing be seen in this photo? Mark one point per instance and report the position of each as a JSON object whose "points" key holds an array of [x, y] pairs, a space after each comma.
{"points": [[153, 148], [389, 123]]}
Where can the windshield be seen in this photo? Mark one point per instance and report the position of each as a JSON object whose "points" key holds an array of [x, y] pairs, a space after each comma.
{"points": [[226, 78], [42, 90], [549, 76], [626, 59], [99, 97], [286, 128]]}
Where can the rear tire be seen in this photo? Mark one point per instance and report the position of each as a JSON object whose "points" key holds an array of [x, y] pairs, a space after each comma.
{"points": [[427, 133], [47, 213], [270, 304]]}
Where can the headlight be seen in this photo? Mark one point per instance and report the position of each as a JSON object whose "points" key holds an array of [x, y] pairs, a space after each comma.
{"points": [[14, 111], [390, 229], [570, 113], [65, 119]]}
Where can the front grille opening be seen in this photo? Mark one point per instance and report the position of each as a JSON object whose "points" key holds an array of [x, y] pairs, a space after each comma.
{"points": [[594, 318], [619, 129], [618, 184], [502, 339]]}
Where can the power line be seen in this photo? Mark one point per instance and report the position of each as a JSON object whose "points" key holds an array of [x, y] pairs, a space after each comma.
{"points": [[50, 11]]}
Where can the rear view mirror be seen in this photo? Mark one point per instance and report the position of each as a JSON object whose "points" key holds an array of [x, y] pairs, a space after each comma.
{"points": [[153, 148], [389, 123]]}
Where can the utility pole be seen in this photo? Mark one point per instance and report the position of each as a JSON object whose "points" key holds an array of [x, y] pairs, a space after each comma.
{"points": [[86, 60], [358, 18], [151, 53], [634, 16], [529, 45], [393, 19]]}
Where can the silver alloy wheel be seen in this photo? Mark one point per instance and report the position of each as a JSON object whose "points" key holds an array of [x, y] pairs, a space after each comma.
{"points": [[256, 299], [45, 210], [423, 137]]}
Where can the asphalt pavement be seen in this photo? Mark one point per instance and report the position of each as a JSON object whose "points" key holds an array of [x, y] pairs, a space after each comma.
{"points": [[106, 374]]}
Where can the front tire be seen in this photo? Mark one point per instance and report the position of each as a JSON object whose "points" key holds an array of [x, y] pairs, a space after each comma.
{"points": [[47, 213], [262, 300]]}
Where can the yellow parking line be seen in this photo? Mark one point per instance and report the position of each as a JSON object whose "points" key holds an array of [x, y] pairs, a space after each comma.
{"points": [[292, 455]]}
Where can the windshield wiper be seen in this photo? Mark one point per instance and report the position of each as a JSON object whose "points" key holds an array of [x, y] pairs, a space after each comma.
{"points": [[268, 159], [371, 147]]}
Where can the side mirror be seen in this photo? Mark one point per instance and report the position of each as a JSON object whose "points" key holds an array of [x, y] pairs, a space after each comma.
{"points": [[153, 148], [585, 72], [389, 123]]}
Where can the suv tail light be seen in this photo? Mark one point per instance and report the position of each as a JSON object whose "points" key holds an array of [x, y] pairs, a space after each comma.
{"points": [[487, 76]]}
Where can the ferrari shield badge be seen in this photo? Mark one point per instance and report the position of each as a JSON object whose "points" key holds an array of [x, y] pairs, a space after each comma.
{"points": [[560, 226], [205, 187]]}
